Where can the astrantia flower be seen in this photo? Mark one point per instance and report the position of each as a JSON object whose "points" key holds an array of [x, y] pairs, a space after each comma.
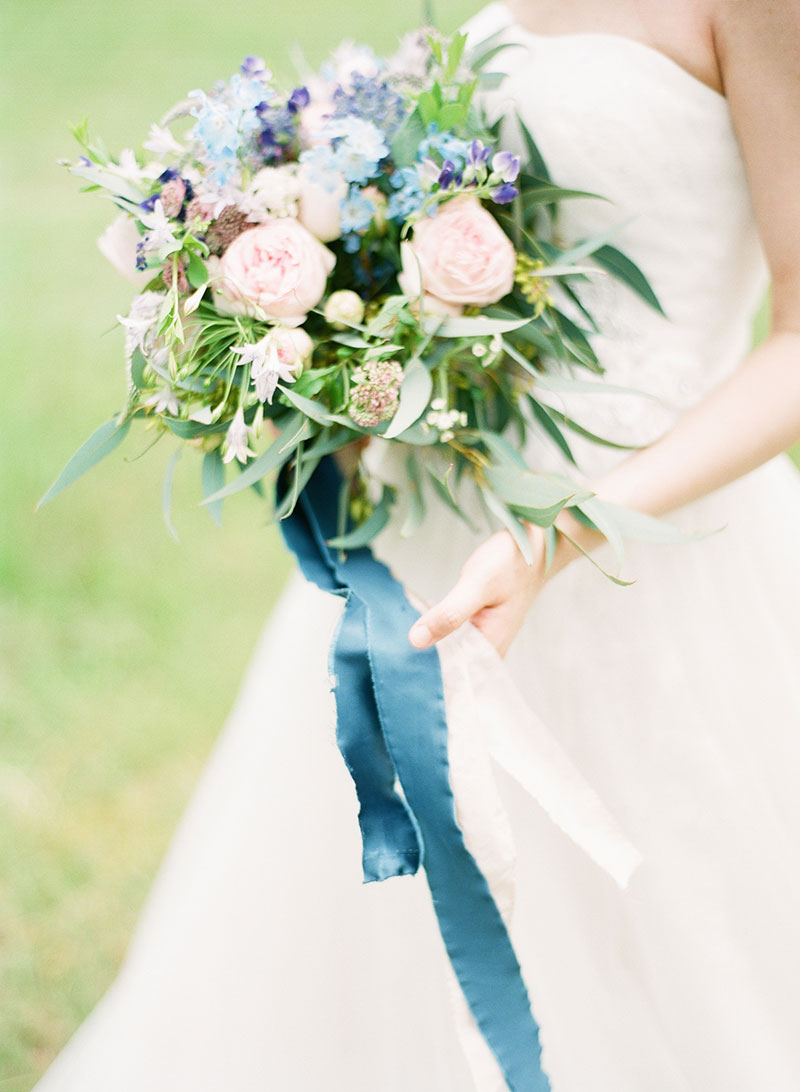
{"points": [[235, 445], [374, 396]]}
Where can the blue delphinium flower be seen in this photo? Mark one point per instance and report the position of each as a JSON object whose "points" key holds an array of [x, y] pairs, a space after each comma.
{"points": [[445, 145], [372, 99], [408, 197], [356, 148], [356, 211]]}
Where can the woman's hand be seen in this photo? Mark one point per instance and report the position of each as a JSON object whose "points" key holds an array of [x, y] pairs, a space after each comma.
{"points": [[494, 591]]}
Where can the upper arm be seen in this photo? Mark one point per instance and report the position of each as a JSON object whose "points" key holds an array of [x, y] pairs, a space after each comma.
{"points": [[758, 47]]}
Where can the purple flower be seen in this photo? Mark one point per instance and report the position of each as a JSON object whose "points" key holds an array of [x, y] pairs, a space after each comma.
{"points": [[254, 68], [506, 164], [478, 155], [298, 100], [446, 174], [505, 193]]}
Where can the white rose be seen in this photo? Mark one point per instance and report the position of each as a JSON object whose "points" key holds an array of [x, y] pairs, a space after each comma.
{"points": [[118, 244]]}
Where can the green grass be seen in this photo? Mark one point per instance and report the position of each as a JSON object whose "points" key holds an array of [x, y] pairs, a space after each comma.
{"points": [[120, 650]]}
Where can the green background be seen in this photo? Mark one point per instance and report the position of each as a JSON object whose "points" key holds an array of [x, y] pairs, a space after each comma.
{"points": [[120, 650]]}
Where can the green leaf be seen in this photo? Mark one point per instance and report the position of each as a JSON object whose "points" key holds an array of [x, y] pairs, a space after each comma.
{"points": [[442, 488], [627, 271], [500, 447], [563, 384], [536, 163], [511, 523], [547, 194], [101, 176], [549, 426], [196, 272], [416, 499], [276, 454], [479, 326], [593, 243], [581, 431], [213, 479], [138, 365], [307, 407], [407, 140], [101, 443], [524, 488], [415, 393], [454, 54], [642, 527], [166, 494], [367, 531]]}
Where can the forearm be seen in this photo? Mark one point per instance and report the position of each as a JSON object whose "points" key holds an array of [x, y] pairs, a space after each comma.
{"points": [[751, 417]]}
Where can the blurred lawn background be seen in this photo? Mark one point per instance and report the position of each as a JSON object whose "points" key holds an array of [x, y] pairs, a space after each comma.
{"points": [[120, 650]]}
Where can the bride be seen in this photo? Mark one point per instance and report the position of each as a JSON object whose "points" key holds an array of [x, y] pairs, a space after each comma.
{"points": [[260, 961]]}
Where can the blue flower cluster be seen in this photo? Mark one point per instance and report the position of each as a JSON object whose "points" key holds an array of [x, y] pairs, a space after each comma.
{"points": [[408, 197], [371, 99], [227, 121], [356, 148], [279, 124]]}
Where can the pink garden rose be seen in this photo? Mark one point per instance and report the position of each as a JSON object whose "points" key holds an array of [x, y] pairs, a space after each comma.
{"points": [[461, 254], [277, 267]]}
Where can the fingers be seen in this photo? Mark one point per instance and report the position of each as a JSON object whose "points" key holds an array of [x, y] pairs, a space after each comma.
{"points": [[456, 608]]}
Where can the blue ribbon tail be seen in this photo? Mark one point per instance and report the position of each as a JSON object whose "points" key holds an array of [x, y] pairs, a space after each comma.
{"points": [[393, 728]]}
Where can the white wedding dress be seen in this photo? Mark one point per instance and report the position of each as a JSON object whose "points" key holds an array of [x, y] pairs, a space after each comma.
{"points": [[261, 963]]}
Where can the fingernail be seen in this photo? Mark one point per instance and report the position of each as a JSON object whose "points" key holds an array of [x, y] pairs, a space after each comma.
{"points": [[419, 635]]}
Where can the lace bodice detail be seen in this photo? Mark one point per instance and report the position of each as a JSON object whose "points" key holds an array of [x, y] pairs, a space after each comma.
{"points": [[616, 117]]}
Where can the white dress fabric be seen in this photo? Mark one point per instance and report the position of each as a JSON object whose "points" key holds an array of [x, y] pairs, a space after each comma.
{"points": [[261, 962]]}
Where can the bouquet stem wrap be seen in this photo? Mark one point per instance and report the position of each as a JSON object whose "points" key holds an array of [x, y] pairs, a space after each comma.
{"points": [[391, 729]]}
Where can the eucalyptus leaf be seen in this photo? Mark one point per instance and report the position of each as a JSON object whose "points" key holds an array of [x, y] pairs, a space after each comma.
{"points": [[549, 426], [642, 527], [415, 393], [274, 456], [511, 523], [500, 447], [526, 489], [595, 242], [138, 365], [476, 326], [416, 499], [101, 443], [627, 271], [309, 408], [370, 528], [212, 480]]}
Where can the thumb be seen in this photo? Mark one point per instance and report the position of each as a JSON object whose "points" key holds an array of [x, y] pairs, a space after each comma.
{"points": [[459, 605]]}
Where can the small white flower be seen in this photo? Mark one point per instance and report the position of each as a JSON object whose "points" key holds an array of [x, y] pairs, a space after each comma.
{"points": [[277, 356], [159, 229], [344, 308], [141, 324], [438, 403], [496, 344], [273, 191], [127, 166], [479, 349], [165, 400], [236, 439], [161, 142]]}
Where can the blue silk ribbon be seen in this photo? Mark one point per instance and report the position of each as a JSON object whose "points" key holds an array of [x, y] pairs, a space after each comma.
{"points": [[392, 730]]}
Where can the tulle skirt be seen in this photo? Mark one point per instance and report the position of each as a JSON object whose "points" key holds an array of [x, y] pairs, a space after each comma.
{"points": [[262, 962]]}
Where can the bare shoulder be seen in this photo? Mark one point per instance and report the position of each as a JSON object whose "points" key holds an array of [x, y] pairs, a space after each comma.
{"points": [[758, 47]]}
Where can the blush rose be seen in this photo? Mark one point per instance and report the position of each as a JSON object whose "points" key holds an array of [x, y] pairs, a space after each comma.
{"points": [[459, 256], [278, 268]]}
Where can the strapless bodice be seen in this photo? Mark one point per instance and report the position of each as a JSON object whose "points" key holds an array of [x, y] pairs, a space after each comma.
{"points": [[617, 117]]}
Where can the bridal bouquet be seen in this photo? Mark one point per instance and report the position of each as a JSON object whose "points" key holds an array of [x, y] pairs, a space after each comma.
{"points": [[354, 257], [361, 256]]}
